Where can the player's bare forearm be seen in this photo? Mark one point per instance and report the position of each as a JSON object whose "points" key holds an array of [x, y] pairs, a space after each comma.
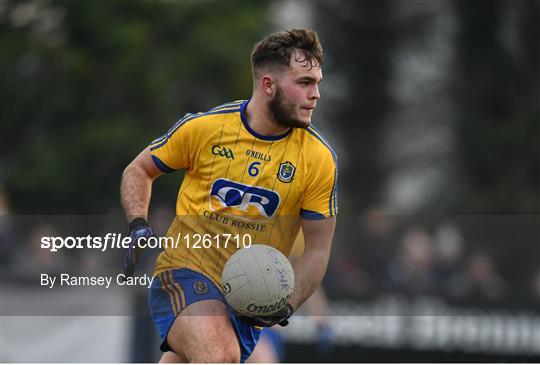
{"points": [[136, 185], [309, 271], [135, 190], [310, 267]]}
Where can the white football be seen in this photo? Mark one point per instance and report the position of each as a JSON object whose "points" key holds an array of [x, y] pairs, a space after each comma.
{"points": [[257, 281]]}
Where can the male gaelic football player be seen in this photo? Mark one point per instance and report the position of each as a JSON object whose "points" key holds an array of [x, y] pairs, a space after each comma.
{"points": [[255, 171]]}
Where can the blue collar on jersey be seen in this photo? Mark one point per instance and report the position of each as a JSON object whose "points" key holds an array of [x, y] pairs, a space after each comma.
{"points": [[255, 134]]}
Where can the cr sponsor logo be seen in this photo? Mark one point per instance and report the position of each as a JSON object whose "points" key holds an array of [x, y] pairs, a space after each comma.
{"points": [[222, 151], [244, 201]]}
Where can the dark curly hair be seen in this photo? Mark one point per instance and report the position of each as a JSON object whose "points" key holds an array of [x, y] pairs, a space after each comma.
{"points": [[275, 50]]}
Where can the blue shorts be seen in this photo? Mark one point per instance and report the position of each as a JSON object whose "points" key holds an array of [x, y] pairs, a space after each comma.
{"points": [[173, 290]]}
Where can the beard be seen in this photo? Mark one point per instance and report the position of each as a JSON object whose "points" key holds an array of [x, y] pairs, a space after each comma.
{"points": [[283, 112]]}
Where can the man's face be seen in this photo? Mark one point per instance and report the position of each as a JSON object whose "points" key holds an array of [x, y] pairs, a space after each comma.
{"points": [[297, 93]]}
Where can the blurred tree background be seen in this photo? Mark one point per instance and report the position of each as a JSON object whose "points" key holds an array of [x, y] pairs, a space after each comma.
{"points": [[497, 95], [85, 85], [483, 58]]}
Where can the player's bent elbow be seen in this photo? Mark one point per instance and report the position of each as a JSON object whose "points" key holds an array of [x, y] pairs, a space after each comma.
{"points": [[128, 171], [133, 170]]}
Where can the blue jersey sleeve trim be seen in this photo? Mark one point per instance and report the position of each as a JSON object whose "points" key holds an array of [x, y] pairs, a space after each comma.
{"points": [[160, 165], [236, 103], [315, 133], [255, 134], [311, 215], [333, 195], [159, 142]]}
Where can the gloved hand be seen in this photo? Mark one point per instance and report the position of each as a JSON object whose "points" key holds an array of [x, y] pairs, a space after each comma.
{"points": [[138, 228], [280, 317]]}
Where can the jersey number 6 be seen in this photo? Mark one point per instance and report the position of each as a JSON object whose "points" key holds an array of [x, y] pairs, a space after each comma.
{"points": [[253, 169]]}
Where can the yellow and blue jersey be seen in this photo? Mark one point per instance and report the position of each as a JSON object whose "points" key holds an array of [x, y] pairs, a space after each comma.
{"points": [[254, 188]]}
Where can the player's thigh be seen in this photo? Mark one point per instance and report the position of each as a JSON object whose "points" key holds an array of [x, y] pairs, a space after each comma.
{"points": [[203, 332], [264, 352]]}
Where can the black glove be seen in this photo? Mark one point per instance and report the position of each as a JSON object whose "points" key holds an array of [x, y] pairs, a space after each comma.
{"points": [[280, 317], [138, 228]]}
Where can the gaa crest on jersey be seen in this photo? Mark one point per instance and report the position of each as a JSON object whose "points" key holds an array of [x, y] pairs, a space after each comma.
{"points": [[222, 151], [286, 172], [243, 201]]}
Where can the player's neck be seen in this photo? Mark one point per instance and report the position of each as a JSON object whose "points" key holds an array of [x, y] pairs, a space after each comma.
{"points": [[259, 119]]}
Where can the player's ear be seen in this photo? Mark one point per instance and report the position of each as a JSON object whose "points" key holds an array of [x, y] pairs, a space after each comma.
{"points": [[268, 84]]}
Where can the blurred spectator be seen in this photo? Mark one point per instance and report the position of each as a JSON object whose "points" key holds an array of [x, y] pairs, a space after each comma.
{"points": [[411, 271], [7, 237], [480, 283], [92, 263], [360, 265], [448, 245], [316, 308], [377, 236], [33, 259]]}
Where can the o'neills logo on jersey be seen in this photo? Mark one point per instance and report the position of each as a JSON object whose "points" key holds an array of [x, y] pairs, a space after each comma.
{"points": [[263, 309], [259, 155], [243, 201]]}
